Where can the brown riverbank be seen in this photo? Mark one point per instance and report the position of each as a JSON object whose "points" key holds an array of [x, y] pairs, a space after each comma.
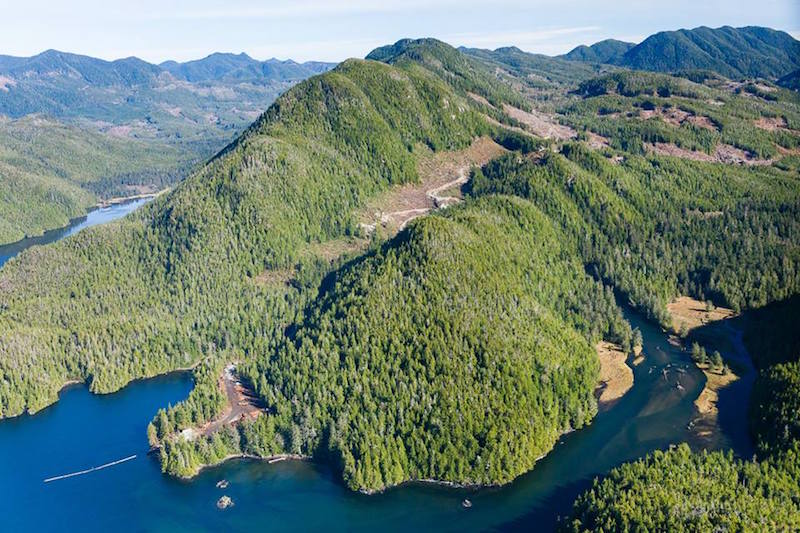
{"points": [[616, 377], [689, 315]]}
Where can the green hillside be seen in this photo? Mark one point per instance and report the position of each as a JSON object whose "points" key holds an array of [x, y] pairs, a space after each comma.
{"points": [[790, 81], [178, 273], [635, 110], [735, 53], [640, 223], [85, 129], [457, 69], [460, 349], [607, 51], [51, 172], [241, 67], [535, 69], [677, 490]]}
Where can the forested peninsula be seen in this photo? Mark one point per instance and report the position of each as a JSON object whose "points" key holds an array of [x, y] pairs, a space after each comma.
{"points": [[460, 346]]}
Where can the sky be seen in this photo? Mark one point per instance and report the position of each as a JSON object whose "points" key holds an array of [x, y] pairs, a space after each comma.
{"points": [[333, 30]]}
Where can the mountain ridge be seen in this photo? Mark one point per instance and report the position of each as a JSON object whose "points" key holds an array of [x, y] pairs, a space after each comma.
{"points": [[214, 66], [749, 51], [605, 51], [446, 352]]}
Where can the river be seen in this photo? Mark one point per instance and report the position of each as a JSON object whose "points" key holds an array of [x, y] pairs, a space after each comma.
{"points": [[84, 430], [97, 216]]}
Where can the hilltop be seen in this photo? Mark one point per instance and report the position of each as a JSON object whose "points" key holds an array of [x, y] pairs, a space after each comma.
{"points": [[749, 52], [241, 67], [607, 51], [460, 348]]}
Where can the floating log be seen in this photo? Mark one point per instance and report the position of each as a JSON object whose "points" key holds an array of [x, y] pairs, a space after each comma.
{"points": [[90, 470]]}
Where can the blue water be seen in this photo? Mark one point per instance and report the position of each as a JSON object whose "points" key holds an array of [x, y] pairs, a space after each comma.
{"points": [[97, 216], [84, 430]]}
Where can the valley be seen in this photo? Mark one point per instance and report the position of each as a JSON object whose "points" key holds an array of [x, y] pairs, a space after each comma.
{"points": [[76, 131], [437, 274]]}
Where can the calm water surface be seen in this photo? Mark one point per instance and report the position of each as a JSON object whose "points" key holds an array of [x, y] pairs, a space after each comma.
{"points": [[84, 430], [95, 217]]}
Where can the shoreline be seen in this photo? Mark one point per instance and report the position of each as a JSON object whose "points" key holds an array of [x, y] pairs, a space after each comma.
{"points": [[117, 200], [465, 486], [270, 459], [102, 204], [616, 375], [74, 382], [690, 315], [281, 457]]}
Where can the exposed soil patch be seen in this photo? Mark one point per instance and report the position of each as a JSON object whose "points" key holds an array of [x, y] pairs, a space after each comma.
{"points": [[689, 314], [440, 175], [772, 123], [765, 88], [274, 278], [677, 117], [726, 153], [540, 124], [706, 403], [332, 250], [6, 82], [676, 151], [702, 121], [788, 151], [480, 99], [616, 377], [242, 403], [693, 313], [723, 153], [120, 131], [596, 141]]}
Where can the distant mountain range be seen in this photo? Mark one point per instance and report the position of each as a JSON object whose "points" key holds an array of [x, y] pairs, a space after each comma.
{"points": [[241, 67], [607, 51], [134, 71], [75, 129], [732, 52], [63, 84]]}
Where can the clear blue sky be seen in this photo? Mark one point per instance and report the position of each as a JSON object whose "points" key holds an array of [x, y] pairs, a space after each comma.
{"points": [[333, 30]]}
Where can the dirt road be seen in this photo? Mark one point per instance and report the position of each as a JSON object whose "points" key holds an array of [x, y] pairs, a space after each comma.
{"points": [[242, 403]]}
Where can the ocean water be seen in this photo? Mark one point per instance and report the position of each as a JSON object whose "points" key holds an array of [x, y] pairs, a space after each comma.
{"points": [[84, 430]]}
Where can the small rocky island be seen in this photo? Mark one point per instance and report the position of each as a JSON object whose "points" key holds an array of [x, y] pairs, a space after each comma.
{"points": [[224, 502]]}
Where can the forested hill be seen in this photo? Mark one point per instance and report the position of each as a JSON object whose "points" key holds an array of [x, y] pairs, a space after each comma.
{"points": [[460, 348], [105, 129], [455, 68], [67, 85], [537, 69], [607, 51], [732, 52], [179, 273], [51, 172], [454, 352], [241, 67]]}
